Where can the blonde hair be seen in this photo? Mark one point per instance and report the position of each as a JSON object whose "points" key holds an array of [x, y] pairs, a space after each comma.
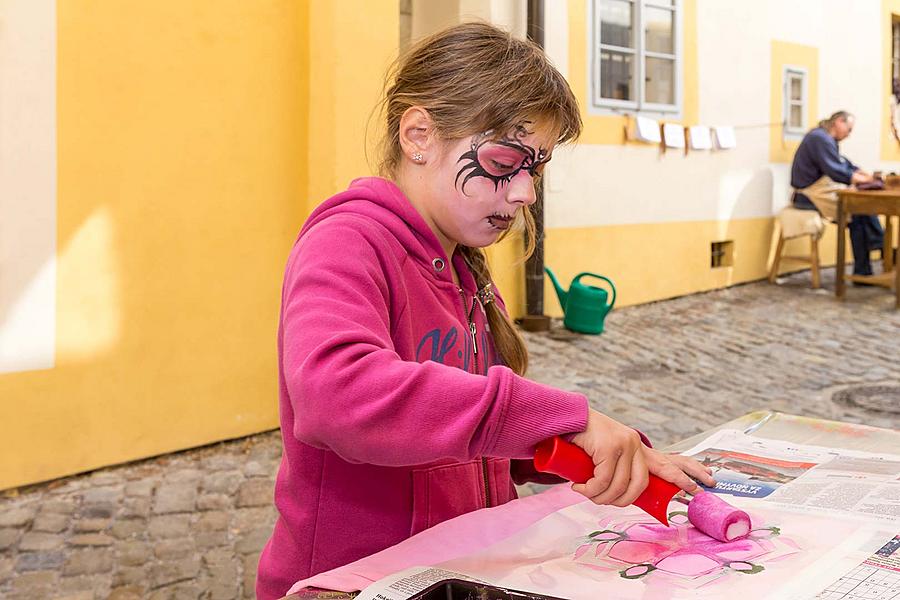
{"points": [[474, 78]]}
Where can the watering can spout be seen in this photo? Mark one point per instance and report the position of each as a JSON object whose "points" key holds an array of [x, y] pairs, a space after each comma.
{"points": [[559, 289]]}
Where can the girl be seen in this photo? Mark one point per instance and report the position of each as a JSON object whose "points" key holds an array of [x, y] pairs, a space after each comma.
{"points": [[403, 401]]}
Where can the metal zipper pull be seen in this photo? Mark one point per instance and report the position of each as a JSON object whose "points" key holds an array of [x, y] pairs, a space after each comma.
{"points": [[474, 344]]}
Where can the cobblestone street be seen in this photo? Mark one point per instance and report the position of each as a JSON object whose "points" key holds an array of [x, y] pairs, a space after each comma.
{"points": [[191, 525]]}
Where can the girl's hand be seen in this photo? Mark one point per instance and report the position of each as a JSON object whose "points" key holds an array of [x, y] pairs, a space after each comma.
{"points": [[620, 471], [678, 469]]}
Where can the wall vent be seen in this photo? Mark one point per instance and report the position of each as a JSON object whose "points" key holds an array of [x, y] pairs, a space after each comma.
{"points": [[721, 254]]}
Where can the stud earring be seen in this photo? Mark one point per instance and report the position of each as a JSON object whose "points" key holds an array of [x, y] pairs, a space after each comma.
{"points": [[417, 157]]}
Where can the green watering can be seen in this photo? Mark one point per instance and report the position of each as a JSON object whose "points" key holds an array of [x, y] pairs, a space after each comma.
{"points": [[584, 306]]}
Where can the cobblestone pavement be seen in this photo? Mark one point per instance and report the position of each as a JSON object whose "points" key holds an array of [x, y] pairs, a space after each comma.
{"points": [[679, 367], [191, 524]]}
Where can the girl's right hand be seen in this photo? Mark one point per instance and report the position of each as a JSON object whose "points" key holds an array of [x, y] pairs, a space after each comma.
{"points": [[620, 472]]}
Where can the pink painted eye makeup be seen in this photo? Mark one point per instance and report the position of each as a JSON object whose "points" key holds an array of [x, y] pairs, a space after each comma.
{"points": [[499, 160]]}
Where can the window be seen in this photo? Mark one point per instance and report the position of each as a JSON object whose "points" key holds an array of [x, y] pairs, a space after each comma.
{"points": [[895, 49], [794, 114], [894, 97], [637, 55]]}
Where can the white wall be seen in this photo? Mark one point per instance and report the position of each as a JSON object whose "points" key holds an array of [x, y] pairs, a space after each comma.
{"points": [[596, 185], [429, 16], [27, 184], [613, 185]]}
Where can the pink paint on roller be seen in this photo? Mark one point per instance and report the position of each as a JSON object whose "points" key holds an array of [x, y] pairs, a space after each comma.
{"points": [[716, 518], [706, 511]]}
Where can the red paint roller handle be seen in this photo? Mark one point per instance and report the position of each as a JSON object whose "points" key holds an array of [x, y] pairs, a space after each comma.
{"points": [[567, 460]]}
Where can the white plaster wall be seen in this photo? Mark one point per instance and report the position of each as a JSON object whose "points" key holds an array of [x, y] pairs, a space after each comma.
{"points": [[556, 35], [594, 185], [430, 16], [27, 184], [852, 76]]}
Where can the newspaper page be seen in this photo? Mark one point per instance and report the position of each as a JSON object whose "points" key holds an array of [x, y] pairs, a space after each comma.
{"points": [[819, 512], [876, 578], [807, 478]]}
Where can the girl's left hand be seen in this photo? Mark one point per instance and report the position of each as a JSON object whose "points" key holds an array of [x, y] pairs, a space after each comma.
{"points": [[678, 469]]}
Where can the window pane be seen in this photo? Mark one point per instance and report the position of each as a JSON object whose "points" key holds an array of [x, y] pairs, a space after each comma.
{"points": [[616, 75], [796, 119], [796, 88], [660, 2], [660, 79], [658, 29], [616, 23], [895, 35]]}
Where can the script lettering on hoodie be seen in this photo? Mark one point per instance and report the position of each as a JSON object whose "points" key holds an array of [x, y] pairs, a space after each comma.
{"points": [[439, 347]]}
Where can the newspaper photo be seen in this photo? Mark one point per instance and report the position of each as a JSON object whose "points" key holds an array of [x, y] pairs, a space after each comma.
{"points": [[808, 478]]}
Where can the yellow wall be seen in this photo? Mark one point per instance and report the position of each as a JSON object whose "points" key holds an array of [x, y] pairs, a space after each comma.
{"points": [[193, 139], [351, 50], [507, 262], [655, 261], [786, 54], [890, 147]]}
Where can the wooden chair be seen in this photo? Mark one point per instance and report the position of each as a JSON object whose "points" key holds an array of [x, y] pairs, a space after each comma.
{"points": [[793, 223]]}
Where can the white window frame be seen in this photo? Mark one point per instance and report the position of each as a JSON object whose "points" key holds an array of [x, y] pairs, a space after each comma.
{"points": [[600, 105], [790, 72], [895, 48]]}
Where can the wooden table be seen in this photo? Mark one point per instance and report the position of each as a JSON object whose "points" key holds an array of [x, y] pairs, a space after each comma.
{"points": [[876, 202], [762, 423]]}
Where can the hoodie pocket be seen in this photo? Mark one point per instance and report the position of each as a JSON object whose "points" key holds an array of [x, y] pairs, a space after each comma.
{"points": [[442, 492], [445, 491]]}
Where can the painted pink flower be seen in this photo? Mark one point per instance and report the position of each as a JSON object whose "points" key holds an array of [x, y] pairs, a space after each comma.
{"points": [[636, 552], [680, 549]]}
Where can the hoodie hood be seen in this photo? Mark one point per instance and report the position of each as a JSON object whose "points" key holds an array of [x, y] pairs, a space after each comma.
{"points": [[383, 202]]}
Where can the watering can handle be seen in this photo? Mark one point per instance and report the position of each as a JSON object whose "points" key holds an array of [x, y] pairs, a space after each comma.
{"points": [[606, 279]]}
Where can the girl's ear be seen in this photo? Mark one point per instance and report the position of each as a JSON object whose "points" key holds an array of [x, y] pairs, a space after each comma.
{"points": [[417, 137]]}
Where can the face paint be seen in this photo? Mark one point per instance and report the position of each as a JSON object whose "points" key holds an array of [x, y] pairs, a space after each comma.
{"points": [[476, 189], [499, 160]]}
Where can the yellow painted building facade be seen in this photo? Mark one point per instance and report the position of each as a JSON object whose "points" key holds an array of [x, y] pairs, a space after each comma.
{"points": [[162, 155], [190, 141]]}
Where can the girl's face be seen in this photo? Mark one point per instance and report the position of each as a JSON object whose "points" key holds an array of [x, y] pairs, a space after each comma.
{"points": [[480, 184]]}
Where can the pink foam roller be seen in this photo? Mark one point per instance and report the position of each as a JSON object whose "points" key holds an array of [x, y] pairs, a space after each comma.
{"points": [[716, 518]]}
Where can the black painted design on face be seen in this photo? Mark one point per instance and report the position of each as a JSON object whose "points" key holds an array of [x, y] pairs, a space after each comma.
{"points": [[499, 160]]}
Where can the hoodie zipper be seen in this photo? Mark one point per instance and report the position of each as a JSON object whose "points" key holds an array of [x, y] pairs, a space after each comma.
{"points": [[473, 331]]}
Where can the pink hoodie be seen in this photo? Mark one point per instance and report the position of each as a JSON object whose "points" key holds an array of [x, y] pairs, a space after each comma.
{"points": [[395, 416]]}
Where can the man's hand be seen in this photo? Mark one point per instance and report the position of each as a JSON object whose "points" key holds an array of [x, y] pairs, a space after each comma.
{"points": [[860, 176]]}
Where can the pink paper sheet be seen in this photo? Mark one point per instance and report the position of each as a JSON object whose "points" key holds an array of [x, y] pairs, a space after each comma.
{"points": [[452, 539]]}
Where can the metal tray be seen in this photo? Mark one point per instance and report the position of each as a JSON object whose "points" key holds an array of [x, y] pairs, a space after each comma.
{"points": [[456, 589]]}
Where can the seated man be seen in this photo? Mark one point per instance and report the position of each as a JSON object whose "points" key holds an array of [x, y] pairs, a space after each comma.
{"points": [[819, 169]]}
